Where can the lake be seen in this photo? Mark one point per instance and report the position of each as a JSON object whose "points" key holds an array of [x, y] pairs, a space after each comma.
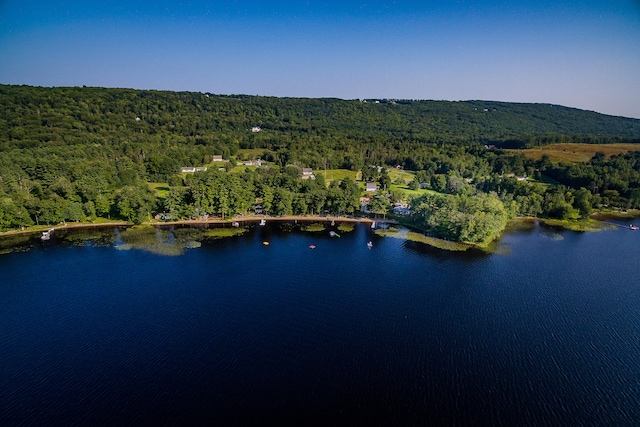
{"points": [[546, 331]]}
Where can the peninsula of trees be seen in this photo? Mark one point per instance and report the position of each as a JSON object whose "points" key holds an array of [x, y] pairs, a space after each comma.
{"points": [[72, 154]]}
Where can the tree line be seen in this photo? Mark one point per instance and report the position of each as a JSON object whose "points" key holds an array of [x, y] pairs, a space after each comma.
{"points": [[67, 154]]}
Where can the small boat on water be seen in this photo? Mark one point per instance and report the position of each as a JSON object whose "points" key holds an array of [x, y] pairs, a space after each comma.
{"points": [[333, 234], [46, 235], [312, 246], [370, 245], [235, 224], [633, 227], [263, 222], [265, 243], [373, 224]]}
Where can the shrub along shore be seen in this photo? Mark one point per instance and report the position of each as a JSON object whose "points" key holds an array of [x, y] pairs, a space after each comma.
{"points": [[407, 231], [186, 222]]}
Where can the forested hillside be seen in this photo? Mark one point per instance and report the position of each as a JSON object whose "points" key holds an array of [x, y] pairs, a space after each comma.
{"points": [[33, 116], [73, 153]]}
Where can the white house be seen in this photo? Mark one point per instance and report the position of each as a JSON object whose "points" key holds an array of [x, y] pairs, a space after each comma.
{"points": [[256, 129], [217, 158], [371, 187], [191, 169], [307, 173], [252, 162]]}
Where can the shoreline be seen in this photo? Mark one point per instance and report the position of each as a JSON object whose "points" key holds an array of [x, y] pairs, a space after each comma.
{"points": [[596, 222], [255, 218], [240, 219], [41, 228]]}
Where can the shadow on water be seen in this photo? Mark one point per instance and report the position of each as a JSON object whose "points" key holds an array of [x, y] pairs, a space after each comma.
{"points": [[171, 240], [442, 254], [17, 243], [88, 236]]}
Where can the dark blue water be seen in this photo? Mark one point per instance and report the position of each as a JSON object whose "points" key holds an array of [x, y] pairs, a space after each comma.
{"points": [[545, 332]]}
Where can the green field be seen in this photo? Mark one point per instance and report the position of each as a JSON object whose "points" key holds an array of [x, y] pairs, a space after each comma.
{"points": [[338, 174], [251, 153], [161, 189], [572, 153], [396, 174]]}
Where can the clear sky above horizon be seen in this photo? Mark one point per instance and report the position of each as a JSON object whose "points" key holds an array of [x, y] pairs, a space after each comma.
{"points": [[583, 54]]}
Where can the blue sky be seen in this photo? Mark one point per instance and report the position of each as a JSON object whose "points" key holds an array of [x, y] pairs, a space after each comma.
{"points": [[583, 54]]}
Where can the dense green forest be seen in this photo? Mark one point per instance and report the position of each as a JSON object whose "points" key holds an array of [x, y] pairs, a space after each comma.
{"points": [[67, 154]]}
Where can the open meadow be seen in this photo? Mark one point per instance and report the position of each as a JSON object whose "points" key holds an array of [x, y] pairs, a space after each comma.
{"points": [[576, 152]]}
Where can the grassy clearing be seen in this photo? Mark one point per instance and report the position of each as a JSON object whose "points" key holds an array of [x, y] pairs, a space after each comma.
{"points": [[406, 177], [240, 168], [338, 174], [161, 189], [573, 153], [396, 174], [251, 153], [409, 193]]}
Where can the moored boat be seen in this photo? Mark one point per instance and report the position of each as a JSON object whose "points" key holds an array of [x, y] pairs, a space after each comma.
{"points": [[46, 235]]}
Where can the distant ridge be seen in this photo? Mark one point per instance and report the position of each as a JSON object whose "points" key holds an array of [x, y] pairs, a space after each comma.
{"points": [[36, 116]]}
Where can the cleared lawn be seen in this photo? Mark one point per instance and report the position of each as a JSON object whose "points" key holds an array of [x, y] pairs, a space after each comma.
{"points": [[161, 188], [406, 177], [338, 174], [407, 191], [576, 152], [396, 174], [249, 153]]}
